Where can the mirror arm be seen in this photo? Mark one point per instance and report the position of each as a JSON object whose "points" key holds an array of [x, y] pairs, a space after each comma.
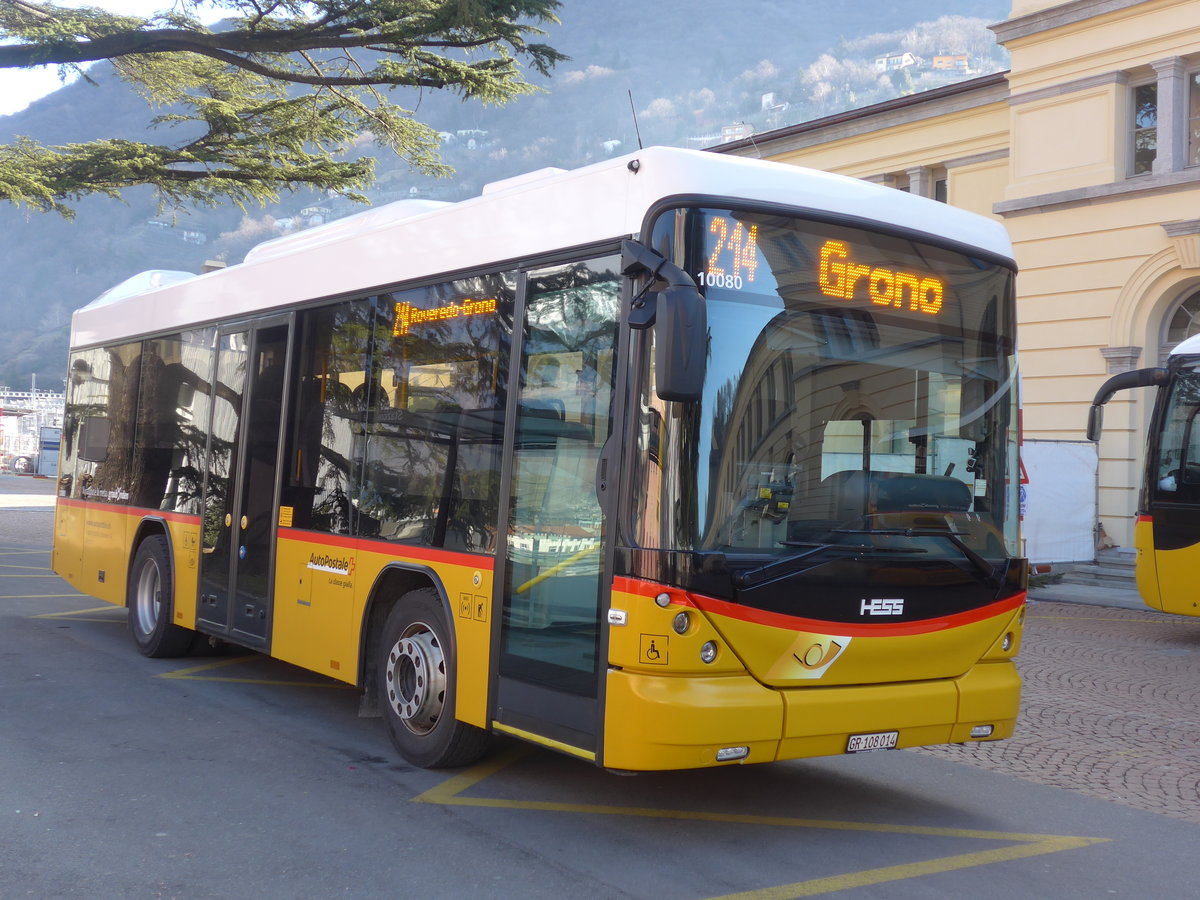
{"points": [[638, 259], [1120, 382]]}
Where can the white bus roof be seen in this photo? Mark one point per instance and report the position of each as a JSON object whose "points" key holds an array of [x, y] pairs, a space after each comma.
{"points": [[1187, 346], [513, 220]]}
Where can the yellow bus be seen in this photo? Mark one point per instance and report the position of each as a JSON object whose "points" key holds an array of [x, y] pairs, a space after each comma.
{"points": [[1167, 532], [675, 460]]}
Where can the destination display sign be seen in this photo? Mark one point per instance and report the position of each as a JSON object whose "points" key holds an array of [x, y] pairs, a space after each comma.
{"points": [[732, 256], [841, 276], [409, 316], [732, 260]]}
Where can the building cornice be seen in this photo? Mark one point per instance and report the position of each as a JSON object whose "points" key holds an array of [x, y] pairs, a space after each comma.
{"points": [[1057, 17], [952, 98], [1069, 87], [976, 159], [1144, 185], [1185, 236]]}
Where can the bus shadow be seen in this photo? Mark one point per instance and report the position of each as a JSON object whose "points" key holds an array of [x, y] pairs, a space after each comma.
{"points": [[834, 791]]}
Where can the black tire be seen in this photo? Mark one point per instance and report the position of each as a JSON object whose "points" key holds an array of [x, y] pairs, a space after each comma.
{"points": [[150, 598], [416, 686]]}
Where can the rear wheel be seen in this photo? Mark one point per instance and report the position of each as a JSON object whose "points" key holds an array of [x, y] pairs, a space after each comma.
{"points": [[151, 603], [416, 684]]}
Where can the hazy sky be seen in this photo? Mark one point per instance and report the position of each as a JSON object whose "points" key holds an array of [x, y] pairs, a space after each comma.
{"points": [[20, 87]]}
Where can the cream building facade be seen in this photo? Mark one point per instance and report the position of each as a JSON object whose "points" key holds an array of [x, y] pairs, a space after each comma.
{"points": [[1088, 149]]}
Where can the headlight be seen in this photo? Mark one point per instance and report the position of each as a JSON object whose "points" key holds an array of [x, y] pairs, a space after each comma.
{"points": [[682, 622]]}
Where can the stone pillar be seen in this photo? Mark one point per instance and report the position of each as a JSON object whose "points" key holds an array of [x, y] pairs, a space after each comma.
{"points": [[920, 183], [1172, 115]]}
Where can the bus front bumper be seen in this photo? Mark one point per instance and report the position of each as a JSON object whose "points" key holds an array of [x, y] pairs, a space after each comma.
{"points": [[682, 722]]}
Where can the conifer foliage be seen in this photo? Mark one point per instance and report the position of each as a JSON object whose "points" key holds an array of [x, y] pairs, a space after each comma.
{"points": [[269, 99]]}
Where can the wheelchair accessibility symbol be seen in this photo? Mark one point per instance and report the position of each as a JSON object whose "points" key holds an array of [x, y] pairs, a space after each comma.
{"points": [[654, 649]]}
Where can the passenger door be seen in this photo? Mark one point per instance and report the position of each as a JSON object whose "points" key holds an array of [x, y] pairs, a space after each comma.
{"points": [[237, 562], [553, 588]]}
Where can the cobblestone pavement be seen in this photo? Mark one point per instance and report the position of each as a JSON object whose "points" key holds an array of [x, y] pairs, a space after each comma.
{"points": [[1111, 708]]}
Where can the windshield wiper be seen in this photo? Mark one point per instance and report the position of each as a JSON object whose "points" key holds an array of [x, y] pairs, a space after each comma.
{"points": [[985, 568], [798, 563]]}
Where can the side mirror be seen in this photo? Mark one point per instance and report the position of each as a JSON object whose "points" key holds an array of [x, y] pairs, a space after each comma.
{"points": [[679, 317], [1120, 382], [1095, 423], [681, 344]]}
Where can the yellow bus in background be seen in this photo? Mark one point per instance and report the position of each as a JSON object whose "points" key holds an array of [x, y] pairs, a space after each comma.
{"points": [[676, 460], [1167, 533]]}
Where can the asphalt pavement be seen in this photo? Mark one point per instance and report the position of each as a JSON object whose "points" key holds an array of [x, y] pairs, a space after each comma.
{"points": [[218, 776]]}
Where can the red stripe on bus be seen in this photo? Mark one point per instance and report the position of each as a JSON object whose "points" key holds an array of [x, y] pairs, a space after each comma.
{"points": [[318, 537], [426, 554], [400, 551], [821, 626], [137, 512], [1148, 519]]}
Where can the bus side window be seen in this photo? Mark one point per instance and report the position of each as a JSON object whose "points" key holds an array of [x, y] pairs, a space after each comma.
{"points": [[325, 421], [433, 429], [1178, 478], [1190, 464]]}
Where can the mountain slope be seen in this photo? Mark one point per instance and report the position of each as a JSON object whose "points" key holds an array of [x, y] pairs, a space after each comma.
{"points": [[690, 66]]}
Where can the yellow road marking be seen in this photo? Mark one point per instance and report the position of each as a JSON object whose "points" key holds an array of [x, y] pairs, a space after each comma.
{"points": [[266, 681], [193, 674], [914, 870], [40, 597], [450, 793], [34, 568], [208, 667], [5, 575], [75, 612], [16, 551], [446, 793]]}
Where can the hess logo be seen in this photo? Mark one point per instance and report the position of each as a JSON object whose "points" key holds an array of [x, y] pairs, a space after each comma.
{"points": [[882, 607]]}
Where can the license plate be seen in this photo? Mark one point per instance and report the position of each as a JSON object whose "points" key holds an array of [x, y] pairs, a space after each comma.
{"points": [[880, 740]]}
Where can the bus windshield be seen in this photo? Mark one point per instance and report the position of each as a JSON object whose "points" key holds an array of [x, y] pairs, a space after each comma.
{"points": [[860, 393]]}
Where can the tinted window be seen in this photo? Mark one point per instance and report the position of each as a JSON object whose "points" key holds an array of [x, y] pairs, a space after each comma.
{"points": [[1178, 466], [434, 419], [98, 427], [325, 428], [854, 380], [172, 422]]}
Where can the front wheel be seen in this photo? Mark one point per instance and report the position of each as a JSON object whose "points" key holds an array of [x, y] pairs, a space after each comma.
{"points": [[416, 684], [150, 601]]}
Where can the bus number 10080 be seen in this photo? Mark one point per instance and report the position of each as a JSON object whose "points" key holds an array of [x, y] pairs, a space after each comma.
{"points": [[719, 280]]}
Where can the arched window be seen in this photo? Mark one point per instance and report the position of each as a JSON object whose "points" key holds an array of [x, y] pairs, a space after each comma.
{"points": [[1182, 324]]}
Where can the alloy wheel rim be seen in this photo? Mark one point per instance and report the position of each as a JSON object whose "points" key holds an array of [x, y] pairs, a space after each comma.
{"points": [[149, 597], [415, 675]]}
